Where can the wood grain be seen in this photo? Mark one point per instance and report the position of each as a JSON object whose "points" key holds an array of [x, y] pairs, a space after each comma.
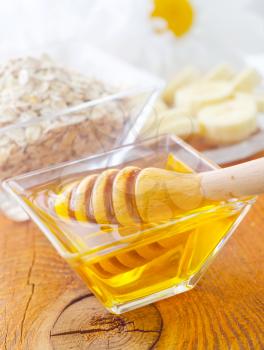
{"points": [[45, 306]]}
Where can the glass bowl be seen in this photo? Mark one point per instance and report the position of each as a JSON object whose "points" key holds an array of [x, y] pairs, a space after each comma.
{"points": [[130, 266], [90, 128], [117, 94]]}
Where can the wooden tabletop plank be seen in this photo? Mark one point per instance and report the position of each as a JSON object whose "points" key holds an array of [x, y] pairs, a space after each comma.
{"points": [[44, 305]]}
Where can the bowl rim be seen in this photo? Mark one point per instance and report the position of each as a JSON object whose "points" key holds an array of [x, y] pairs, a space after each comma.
{"points": [[79, 107]]}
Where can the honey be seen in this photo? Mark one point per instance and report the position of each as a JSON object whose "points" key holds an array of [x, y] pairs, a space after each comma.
{"points": [[136, 263]]}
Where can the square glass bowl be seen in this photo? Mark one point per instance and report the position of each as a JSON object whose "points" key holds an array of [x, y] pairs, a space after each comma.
{"points": [[129, 266], [116, 93], [90, 128]]}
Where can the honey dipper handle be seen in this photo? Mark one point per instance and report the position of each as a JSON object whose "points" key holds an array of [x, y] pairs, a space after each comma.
{"points": [[244, 179]]}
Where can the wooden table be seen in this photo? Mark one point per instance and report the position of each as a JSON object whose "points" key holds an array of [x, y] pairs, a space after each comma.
{"points": [[45, 306]]}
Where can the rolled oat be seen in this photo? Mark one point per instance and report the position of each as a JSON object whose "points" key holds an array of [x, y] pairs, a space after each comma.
{"points": [[34, 92]]}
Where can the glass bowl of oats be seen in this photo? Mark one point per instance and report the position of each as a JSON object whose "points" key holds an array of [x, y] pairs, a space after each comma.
{"points": [[50, 113]]}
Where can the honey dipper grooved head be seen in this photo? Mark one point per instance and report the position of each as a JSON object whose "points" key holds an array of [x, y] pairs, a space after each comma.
{"points": [[101, 198], [123, 196], [129, 196], [81, 203]]}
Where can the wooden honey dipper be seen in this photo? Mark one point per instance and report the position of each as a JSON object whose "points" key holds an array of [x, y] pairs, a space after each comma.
{"points": [[132, 195]]}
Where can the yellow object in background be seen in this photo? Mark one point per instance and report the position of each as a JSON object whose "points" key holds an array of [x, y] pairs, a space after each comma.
{"points": [[174, 164], [178, 15]]}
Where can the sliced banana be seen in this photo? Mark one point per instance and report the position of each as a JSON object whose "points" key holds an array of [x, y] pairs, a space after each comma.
{"points": [[187, 76], [152, 120], [202, 94], [259, 98], [151, 128], [230, 121], [174, 121], [221, 72], [247, 80], [160, 106], [215, 93]]}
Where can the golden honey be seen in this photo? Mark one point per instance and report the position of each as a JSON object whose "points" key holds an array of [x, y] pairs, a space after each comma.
{"points": [[124, 264]]}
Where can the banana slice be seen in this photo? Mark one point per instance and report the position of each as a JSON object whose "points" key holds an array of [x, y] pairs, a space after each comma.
{"points": [[247, 80], [187, 76], [202, 94], [153, 119], [221, 72], [177, 121], [259, 98], [160, 106], [229, 122]]}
